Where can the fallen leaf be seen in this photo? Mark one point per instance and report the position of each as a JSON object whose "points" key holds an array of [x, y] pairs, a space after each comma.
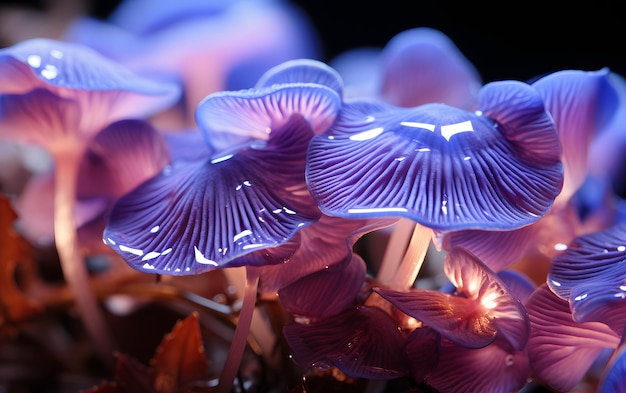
{"points": [[179, 365], [15, 306], [180, 359]]}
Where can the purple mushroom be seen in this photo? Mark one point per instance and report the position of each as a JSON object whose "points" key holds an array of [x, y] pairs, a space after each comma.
{"points": [[362, 342], [245, 204], [590, 273], [236, 207], [59, 96], [582, 105], [442, 167], [117, 159], [560, 349], [205, 46], [480, 307], [417, 66], [612, 380]]}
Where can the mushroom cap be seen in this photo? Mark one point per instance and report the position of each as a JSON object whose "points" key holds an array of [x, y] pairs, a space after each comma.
{"points": [[361, 341], [590, 275], [55, 90], [246, 202], [443, 167], [561, 350], [481, 307], [423, 65]]}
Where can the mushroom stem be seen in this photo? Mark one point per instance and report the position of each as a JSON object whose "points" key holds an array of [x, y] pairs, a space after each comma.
{"points": [[240, 338], [401, 273], [394, 250], [72, 263]]}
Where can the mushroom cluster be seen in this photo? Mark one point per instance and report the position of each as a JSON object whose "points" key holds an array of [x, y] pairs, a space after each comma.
{"points": [[282, 183]]}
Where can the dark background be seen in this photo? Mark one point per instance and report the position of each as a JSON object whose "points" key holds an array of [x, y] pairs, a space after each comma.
{"points": [[504, 40]]}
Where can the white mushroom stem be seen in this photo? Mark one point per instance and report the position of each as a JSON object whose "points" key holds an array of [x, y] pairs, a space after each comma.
{"points": [[240, 338], [70, 256], [401, 263]]}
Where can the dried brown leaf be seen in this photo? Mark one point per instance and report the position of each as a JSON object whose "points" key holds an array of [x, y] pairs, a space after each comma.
{"points": [[180, 359], [178, 365], [15, 306]]}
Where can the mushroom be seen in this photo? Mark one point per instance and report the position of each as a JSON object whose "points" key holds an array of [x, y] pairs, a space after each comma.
{"points": [[589, 273], [480, 307], [206, 47], [59, 96], [441, 167], [422, 65], [560, 349], [363, 342], [118, 158], [582, 105], [417, 66], [245, 204], [612, 380]]}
